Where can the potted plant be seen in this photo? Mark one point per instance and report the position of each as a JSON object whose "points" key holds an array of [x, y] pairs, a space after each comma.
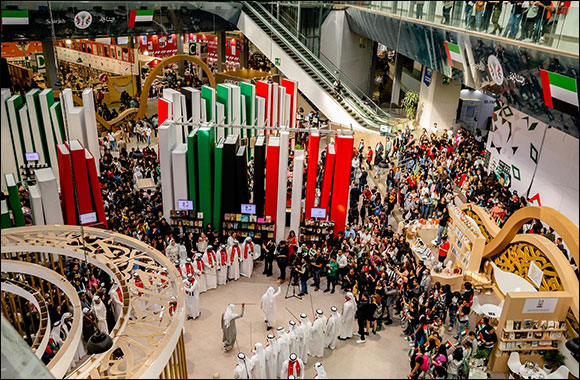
{"points": [[410, 102], [552, 360]]}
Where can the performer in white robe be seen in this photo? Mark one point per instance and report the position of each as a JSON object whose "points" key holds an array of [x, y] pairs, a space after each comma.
{"points": [[65, 326], [209, 259], [268, 305], [271, 352], [100, 312], [332, 327], [222, 264], [317, 335], [320, 372], [199, 273], [283, 346], [191, 297], [247, 258], [56, 334], [304, 332], [292, 367], [140, 303], [180, 267], [294, 338], [234, 255], [347, 316], [187, 268], [242, 371], [116, 300], [258, 363], [172, 250]]}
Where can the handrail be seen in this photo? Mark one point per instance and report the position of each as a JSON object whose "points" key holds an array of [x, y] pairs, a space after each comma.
{"points": [[359, 105]]}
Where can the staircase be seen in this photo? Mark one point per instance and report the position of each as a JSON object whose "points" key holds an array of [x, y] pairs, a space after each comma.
{"points": [[367, 115]]}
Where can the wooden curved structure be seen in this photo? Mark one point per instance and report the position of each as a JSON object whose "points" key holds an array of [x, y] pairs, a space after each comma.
{"points": [[159, 67], [549, 254], [501, 237], [148, 336], [100, 119]]}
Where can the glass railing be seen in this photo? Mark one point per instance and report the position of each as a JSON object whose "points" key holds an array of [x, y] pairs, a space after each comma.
{"points": [[354, 96], [555, 28]]}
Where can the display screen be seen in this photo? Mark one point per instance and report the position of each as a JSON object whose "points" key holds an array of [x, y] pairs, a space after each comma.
{"points": [[90, 217], [32, 156], [317, 212], [248, 209], [185, 205]]}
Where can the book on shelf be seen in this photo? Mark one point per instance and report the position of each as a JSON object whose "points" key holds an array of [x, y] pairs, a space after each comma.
{"points": [[534, 344], [530, 335], [538, 335], [555, 334], [543, 324], [527, 324], [551, 324], [517, 325], [502, 345], [506, 335], [536, 325], [509, 325], [512, 335], [562, 325]]}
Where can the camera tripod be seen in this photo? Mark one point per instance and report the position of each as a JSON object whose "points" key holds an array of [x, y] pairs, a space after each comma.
{"points": [[294, 283]]}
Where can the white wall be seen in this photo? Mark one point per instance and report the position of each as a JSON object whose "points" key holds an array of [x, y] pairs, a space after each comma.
{"points": [[342, 47], [291, 69], [438, 103], [553, 175]]}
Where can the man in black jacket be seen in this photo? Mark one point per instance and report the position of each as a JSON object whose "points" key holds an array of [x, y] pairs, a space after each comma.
{"points": [[269, 254], [365, 311], [282, 259]]}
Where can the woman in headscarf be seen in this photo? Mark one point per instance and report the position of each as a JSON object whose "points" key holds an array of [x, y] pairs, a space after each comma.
{"points": [[229, 331]]}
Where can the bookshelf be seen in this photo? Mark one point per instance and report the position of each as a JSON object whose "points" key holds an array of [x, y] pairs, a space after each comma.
{"points": [[545, 326], [316, 231], [192, 221], [466, 242], [249, 225]]}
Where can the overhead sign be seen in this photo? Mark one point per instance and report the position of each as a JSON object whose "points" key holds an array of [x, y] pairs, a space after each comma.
{"points": [[317, 212], [185, 205], [495, 70], [31, 156]]}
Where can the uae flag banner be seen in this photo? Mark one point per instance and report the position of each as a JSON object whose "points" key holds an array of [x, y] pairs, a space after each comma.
{"points": [[560, 92], [454, 55], [140, 17], [10, 17]]}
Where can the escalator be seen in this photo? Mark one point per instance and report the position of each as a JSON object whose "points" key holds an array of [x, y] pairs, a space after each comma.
{"points": [[364, 112]]}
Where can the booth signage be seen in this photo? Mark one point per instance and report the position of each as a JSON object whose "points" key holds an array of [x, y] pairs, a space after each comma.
{"points": [[540, 305]]}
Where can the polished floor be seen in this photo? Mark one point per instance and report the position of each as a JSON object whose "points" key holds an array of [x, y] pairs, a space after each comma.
{"points": [[383, 356]]}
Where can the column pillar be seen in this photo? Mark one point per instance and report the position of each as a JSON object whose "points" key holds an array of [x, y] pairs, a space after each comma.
{"points": [[344, 145], [221, 51], [297, 192], [396, 89], [313, 144], [51, 74], [245, 53], [282, 183]]}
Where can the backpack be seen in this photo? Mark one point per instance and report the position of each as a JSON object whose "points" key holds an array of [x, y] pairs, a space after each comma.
{"points": [[425, 365]]}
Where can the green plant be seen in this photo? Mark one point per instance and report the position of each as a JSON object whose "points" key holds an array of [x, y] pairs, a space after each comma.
{"points": [[553, 359], [481, 353], [297, 146], [410, 102]]}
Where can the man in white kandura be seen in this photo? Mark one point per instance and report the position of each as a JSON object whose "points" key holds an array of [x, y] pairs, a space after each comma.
{"points": [[247, 258], [320, 372], [332, 327], [317, 335], [65, 326], [347, 317], [115, 299], [209, 261], [241, 371], [234, 256], [100, 312], [304, 332], [271, 352], [293, 336], [199, 273], [292, 367], [258, 362], [191, 297], [187, 268], [268, 305], [222, 265], [283, 346], [177, 265], [172, 250]]}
